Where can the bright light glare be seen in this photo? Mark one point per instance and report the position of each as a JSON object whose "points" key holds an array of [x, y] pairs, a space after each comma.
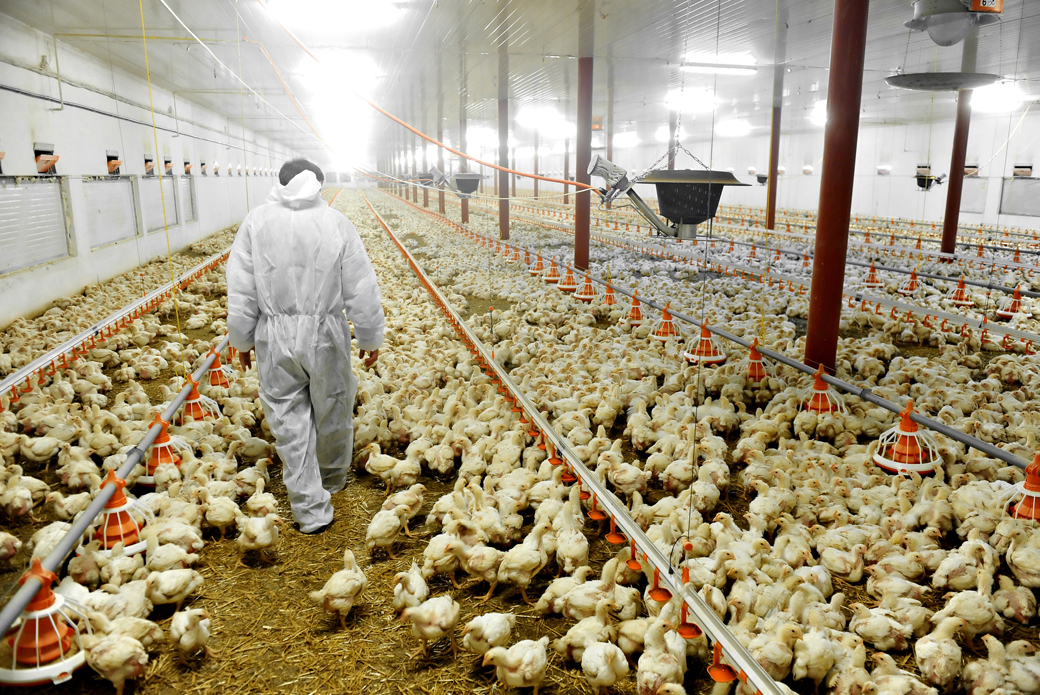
{"points": [[340, 71], [661, 134], [346, 16], [627, 139], [1000, 97], [345, 123], [733, 128], [719, 70], [720, 58], [547, 121], [819, 113], [690, 100]]}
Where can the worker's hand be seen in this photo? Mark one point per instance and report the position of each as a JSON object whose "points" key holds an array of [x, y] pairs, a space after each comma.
{"points": [[373, 355], [245, 358]]}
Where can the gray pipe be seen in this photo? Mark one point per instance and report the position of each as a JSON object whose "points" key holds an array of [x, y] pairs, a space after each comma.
{"points": [[13, 608]]}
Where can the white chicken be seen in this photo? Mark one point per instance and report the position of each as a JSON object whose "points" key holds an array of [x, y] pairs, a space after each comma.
{"points": [[431, 620], [521, 666], [487, 631], [342, 589]]}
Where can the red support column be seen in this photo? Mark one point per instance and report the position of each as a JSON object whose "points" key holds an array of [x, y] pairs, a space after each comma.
{"points": [[503, 161], [774, 146], [956, 181], [844, 93], [581, 163]]}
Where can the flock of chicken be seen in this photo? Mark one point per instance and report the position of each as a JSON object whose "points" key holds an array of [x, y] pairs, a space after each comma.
{"points": [[822, 516]]}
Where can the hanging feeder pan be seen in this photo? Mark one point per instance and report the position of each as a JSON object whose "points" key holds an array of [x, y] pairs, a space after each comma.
{"points": [[941, 81], [690, 196], [905, 448], [821, 398], [466, 183], [1029, 489], [42, 648], [707, 350]]}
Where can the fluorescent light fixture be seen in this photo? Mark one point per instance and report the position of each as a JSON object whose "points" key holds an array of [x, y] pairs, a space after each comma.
{"points": [[626, 139], [341, 16], [690, 100], [733, 128], [713, 69], [662, 133], [819, 113], [884, 169], [999, 97]]}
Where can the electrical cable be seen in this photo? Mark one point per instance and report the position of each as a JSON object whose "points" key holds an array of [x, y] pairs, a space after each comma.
{"points": [[162, 196]]}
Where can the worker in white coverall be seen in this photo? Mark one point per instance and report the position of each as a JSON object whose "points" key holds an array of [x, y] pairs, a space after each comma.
{"points": [[297, 272]]}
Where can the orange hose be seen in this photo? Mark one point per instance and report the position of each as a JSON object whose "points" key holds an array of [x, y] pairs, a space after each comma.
{"points": [[577, 185]]}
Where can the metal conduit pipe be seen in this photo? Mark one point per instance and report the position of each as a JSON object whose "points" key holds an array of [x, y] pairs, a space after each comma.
{"points": [[863, 393], [13, 608], [736, 653]]}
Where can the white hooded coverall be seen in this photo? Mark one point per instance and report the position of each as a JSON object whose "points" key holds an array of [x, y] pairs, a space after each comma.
{"points": [[297, 272]]}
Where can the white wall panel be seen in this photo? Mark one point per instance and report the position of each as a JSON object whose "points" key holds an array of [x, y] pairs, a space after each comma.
{"points": [[32, 223], [109, 212], [152, 205]]}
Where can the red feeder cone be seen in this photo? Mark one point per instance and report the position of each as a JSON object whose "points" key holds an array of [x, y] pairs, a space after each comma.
{"points": [[666, 331], [567, 284], [805, 261], [527, 257], [197, 406], [43, 639], [586, 293], [218, 374], [609, 298], [117, 525], [1029, 507], [41, 644], [635, 313], [959, 295], [707, 350], [755, 369], [910, 286], [822, 398], [872, 281], [554, 273], [162, 447], [979, 253], [538, 268], [904, 448], [1010, 307], [751, 256]]}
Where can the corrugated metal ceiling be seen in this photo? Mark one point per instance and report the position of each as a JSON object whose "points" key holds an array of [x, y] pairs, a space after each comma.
{"points": [[436, 51]]}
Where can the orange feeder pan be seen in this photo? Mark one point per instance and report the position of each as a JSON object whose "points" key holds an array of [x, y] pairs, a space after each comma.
{"points": [[910, 286], [666, 331], [1010, 307], [163, 451], [218, 373], [658, 592], [720, 672], [707, 350], [756, 368], [635, 313], [1029, 507], [822, 398], [553, 275], [538, 268], [116, 524], [197, 406], [40, 645], [609, 298], [872, 279], [595, 514], [585, 293], [633, 562], [959, 295], [687, 629], [567, 284], [904, 448]]}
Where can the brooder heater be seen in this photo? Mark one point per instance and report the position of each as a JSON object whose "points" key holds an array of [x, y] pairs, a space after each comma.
{"points": [[925, 180], [686, 197]]}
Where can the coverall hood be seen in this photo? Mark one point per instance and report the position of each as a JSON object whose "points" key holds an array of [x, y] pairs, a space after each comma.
{"points": [[303, 189]]}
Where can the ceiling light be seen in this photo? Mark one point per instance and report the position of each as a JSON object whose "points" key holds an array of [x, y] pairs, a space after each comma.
{"points": [[690, 100], [733, 128], [663, 134], [819, 113], [627, 139], [1002, 97], [884, 169], [341, 16], [745, 59], [716, 69]]}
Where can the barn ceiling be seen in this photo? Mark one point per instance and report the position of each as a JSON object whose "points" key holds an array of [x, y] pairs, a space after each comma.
{"points": [[426, 60]]}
